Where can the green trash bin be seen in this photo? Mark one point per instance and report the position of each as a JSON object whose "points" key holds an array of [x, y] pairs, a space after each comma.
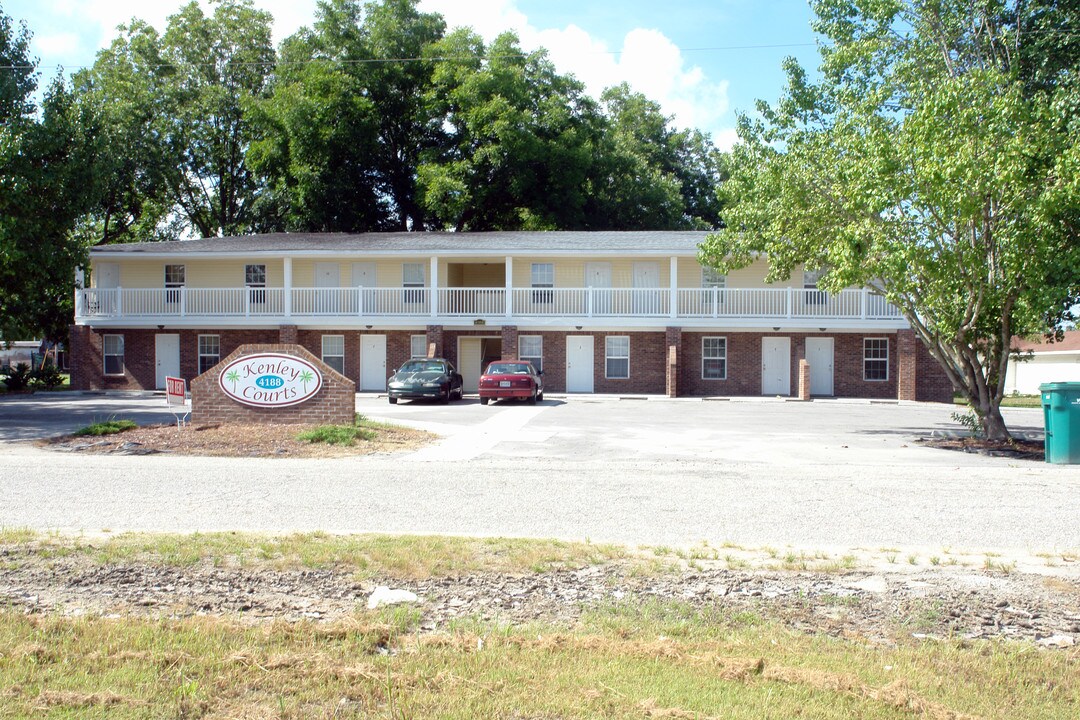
{"points": [[1061, 418]]}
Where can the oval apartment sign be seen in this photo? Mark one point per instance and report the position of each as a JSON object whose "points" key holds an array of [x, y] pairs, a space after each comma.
{"points": [[270, 380]]}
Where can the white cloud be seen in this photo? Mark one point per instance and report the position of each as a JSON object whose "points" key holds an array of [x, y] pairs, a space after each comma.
{"points": [[61, 44]]}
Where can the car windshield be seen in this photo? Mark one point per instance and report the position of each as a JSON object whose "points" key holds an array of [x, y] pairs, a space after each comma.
{"points": [[508, 369], [414, 366]]}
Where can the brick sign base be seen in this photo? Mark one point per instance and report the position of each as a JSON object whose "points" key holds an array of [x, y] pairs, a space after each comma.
{"points": [[334, 404]]}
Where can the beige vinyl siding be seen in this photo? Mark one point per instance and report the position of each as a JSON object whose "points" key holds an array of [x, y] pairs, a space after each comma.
{"points": [[198, 273], [751, 276], [472, 272], [570, 272], [387, 271]]}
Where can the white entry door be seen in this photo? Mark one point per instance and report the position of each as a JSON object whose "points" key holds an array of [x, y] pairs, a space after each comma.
{"points": [[470, 358], [819, 353], [646, 277], [775, 366], [579, 363], [108, 275], [327, 275], [373, 362], [363, 275], [167, 358], [598, 277]]}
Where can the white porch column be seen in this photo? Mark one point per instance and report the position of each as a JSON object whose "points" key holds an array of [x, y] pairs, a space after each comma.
{"points": [[673, 281], [509, 286], [80, 279], [288, 287], [434, 284]]}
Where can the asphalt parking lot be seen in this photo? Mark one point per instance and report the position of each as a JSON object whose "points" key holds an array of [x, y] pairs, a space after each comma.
{"points": [[742, 430], [825, 474]]}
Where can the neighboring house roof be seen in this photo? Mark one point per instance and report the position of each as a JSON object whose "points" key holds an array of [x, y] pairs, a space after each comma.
{"points": [[443, 243], [1071, 343]]}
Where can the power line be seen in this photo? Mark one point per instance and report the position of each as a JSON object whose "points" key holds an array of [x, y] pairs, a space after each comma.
{"points": [[435, 58]]}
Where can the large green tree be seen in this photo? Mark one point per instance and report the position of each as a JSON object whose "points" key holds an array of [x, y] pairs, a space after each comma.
{"points": [[127, 90], [214, 65], [519, 139], [919, 165], [341, 134]]}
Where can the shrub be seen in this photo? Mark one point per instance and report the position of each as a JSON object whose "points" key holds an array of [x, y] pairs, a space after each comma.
{"points": [[48, 376], [18, 378]]}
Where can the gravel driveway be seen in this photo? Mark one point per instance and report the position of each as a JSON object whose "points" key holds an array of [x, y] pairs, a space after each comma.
{"points": [[823, 475]]}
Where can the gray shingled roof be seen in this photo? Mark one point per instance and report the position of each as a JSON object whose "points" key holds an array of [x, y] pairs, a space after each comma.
{"points": [[481, 243]]}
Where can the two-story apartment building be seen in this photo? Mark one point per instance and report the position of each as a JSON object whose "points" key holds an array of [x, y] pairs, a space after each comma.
{"points": [[599, 312]]}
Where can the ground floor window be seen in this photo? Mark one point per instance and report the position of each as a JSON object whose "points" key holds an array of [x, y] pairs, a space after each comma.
{"points": [[418, 346], [617, 357], [209, 352], [875, 359], [714, 358], [333, 352], [531, 348], [112, 347]]}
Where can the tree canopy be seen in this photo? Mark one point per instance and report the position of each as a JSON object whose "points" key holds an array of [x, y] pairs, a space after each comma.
{"points": [[931, 164], [374, 118]]}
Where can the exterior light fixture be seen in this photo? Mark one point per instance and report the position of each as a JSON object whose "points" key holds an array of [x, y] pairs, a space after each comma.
{"points": [[776, 329]]}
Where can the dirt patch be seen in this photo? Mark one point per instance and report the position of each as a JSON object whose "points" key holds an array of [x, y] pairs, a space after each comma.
{"points": [[872, 606], [1019, 449], [233, 440]]}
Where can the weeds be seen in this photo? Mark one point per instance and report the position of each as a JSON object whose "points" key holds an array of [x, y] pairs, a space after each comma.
{"points": [[106, 427]]}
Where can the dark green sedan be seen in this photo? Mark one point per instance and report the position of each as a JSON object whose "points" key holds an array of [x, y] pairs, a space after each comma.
{"points": [[430, 379]]}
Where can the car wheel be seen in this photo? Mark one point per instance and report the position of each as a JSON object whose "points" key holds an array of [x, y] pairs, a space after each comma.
{"points": [[461, 393], [532, 398], [484, 401], [393, 401], [540, 396], [445, 397]]}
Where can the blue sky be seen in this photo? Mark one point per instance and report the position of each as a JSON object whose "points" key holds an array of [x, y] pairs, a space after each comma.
{"points": [[701, 59]]}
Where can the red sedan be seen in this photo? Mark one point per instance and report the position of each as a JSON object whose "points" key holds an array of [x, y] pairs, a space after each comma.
{"points": [[511, 379]]}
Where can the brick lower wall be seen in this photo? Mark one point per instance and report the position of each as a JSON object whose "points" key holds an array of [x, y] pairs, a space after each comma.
{"points": [[335, 403], [648, 358], [744, 365], [931, 382]]}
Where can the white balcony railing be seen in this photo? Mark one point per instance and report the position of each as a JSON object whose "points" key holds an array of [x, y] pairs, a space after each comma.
{"points": [[719, 303]]}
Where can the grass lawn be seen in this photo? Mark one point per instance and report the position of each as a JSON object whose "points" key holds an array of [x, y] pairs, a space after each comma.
{"points": [[626, 658], [1019, 401]]}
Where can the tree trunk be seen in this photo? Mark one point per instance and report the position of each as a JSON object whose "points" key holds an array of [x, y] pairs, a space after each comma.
{"points": [[993, 424]]}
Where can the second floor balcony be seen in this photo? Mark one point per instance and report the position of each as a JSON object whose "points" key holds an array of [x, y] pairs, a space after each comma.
{"points": [[360, 305]]}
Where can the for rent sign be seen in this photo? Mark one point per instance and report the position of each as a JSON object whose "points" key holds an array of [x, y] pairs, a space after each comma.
{"points": [[270, 380], [175, 391]]}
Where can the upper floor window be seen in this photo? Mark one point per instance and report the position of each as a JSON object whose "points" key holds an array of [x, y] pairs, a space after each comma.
{"points": [[412, 276], [543, 276], [712, 278], [418, 346], [175, 278], [255, 277], [810, 283]]}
